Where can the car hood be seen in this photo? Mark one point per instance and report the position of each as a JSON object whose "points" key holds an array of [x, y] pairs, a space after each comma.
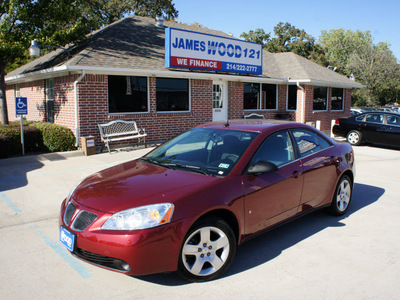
{"points": [[136, 183]]}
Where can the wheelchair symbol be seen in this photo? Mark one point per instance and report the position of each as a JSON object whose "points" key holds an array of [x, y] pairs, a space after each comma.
{"points": [[20, 104]]}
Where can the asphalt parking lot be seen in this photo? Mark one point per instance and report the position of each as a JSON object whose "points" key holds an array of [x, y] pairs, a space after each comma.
{"points": [[317, 257]]}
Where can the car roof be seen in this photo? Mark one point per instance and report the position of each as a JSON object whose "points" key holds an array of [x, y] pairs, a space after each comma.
{"points": [[254, 125]]}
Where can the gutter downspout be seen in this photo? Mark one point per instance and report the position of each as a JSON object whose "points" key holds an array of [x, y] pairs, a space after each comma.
{"points": [[76, 106], [302, 117]]}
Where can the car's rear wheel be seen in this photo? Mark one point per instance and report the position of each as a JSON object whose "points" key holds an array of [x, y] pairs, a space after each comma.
{"points": [[208, 250], [341, 199], [354, 137]]}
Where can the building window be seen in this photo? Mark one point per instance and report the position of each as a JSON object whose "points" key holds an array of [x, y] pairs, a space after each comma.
{"points": [[337, 99], [172, 94], [268, 100], [253, 100], [292, 97], [251, 95], [320, 98], [49, 101], [127, 94]]}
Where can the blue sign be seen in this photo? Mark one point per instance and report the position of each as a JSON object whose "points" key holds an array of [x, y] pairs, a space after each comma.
{"points": [[194, 50], [21, 106]]}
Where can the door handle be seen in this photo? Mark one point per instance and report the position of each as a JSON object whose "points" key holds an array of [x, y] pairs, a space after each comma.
{"points": [[295, 174]]}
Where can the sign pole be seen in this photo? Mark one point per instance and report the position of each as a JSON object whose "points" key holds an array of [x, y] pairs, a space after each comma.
{"points": [[21, 108], [22, 136]]}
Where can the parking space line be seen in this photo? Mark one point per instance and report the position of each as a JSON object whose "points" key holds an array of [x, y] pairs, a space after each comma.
{"points": [[74, 263], [11, 204]]}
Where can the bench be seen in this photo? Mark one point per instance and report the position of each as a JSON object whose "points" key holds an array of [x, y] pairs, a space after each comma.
{"points": [[253, 116], [120, 130]]}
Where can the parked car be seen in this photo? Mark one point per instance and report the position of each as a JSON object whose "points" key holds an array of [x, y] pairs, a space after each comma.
{"points": [[374, 127], [189, 203]]}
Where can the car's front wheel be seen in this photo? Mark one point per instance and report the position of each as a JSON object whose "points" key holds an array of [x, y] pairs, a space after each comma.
{"points": [[354, 137], [341, 199], [208, 250]]}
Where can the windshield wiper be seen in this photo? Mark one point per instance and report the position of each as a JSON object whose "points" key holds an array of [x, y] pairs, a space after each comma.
{"points": [[174, 165], [191, 168]]}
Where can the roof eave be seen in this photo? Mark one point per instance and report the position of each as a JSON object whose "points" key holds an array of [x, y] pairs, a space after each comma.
{"points": [[66, 69], [350, 85]]}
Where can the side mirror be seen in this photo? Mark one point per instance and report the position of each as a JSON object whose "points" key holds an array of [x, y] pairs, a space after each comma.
{"points": [[262, 167]]}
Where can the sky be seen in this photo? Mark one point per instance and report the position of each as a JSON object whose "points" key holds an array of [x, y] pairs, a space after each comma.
{"points": [[381, 18]]}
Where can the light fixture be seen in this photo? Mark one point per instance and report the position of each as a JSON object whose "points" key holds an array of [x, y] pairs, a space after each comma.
{"points": [[34, 49]]}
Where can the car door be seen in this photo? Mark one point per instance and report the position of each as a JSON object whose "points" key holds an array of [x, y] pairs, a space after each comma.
{"points": [[319, 168], [273, 197], [373, 128], [392, 130]]}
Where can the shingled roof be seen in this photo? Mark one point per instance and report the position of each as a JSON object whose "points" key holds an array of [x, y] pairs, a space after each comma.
{"points": [[135, 43]]}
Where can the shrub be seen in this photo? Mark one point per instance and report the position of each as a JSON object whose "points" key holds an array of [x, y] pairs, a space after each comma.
{"points": [[38, 137], [12, 144], [56, 137], [5, 146]]}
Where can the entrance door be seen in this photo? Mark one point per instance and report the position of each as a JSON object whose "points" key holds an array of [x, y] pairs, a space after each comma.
{"points": [[220, 103]]}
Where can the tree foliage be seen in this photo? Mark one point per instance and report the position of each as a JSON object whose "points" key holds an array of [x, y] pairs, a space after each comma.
{"points": [[60, 22], [287, 38]]}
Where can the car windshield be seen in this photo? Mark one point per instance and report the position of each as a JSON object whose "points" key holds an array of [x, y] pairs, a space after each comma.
{"points": [[203, 150]]}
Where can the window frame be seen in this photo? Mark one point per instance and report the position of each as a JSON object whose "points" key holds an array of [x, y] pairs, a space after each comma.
{"points": [[318, 137], [260, 99], [287, 97], [343, 94], [129, 113], [50, 100], [326, 99], [189, 97]]}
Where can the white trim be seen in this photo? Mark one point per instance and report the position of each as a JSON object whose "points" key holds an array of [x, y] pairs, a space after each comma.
{"points": [[67, 69], [131, 112], [326, 102], [355, 85], [287, 97], [190, 97], [337, 110]]}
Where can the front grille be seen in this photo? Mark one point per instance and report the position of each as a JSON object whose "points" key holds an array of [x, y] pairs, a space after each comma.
{"points": [[105, 261], [83, 220], [69, 212]]}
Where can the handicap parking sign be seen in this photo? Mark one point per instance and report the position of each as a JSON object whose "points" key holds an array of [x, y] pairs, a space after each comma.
{"points": [[21, 106]]}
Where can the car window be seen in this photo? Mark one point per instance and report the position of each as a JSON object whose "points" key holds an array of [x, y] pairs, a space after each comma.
{"points": [[393, 120], [309, 142], [277, 148], [374, 118], [360, 118]]}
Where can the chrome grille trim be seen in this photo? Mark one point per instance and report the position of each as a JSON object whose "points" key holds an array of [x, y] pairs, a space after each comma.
{"points": [[69, 213]]}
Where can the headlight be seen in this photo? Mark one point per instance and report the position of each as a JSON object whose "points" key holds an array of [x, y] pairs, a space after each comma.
{"points": [[140, 218]]}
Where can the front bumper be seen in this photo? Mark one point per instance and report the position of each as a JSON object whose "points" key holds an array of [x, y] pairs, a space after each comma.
{"points": [[136, 252]]}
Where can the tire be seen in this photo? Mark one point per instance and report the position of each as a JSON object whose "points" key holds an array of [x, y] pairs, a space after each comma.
{"points": [[354, 137], [208, 250], [342, 197]]}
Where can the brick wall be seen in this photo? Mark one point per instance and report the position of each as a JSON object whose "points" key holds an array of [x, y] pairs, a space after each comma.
{"points": [[93, 106], [34, 91], [325, 117], [93, 110]]}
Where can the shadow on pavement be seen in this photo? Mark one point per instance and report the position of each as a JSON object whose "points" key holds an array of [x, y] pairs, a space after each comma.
{"points": [[13, 171], [271, 244]]}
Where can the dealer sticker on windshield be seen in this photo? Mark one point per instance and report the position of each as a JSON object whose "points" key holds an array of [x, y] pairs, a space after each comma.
{"points": [[224, 166], [67, 238]]}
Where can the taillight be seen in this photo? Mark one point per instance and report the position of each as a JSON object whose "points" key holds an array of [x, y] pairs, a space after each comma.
{"points": [[337, 122]]}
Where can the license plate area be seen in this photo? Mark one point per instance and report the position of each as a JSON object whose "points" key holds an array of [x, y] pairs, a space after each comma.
{"points": [[67, 238]]}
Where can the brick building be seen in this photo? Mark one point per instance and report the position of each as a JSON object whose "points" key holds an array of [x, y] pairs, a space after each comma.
{"points": [[120, 72]]}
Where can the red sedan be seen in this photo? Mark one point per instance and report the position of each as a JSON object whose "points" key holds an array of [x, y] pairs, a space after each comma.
{"points": [[189, 203]]}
